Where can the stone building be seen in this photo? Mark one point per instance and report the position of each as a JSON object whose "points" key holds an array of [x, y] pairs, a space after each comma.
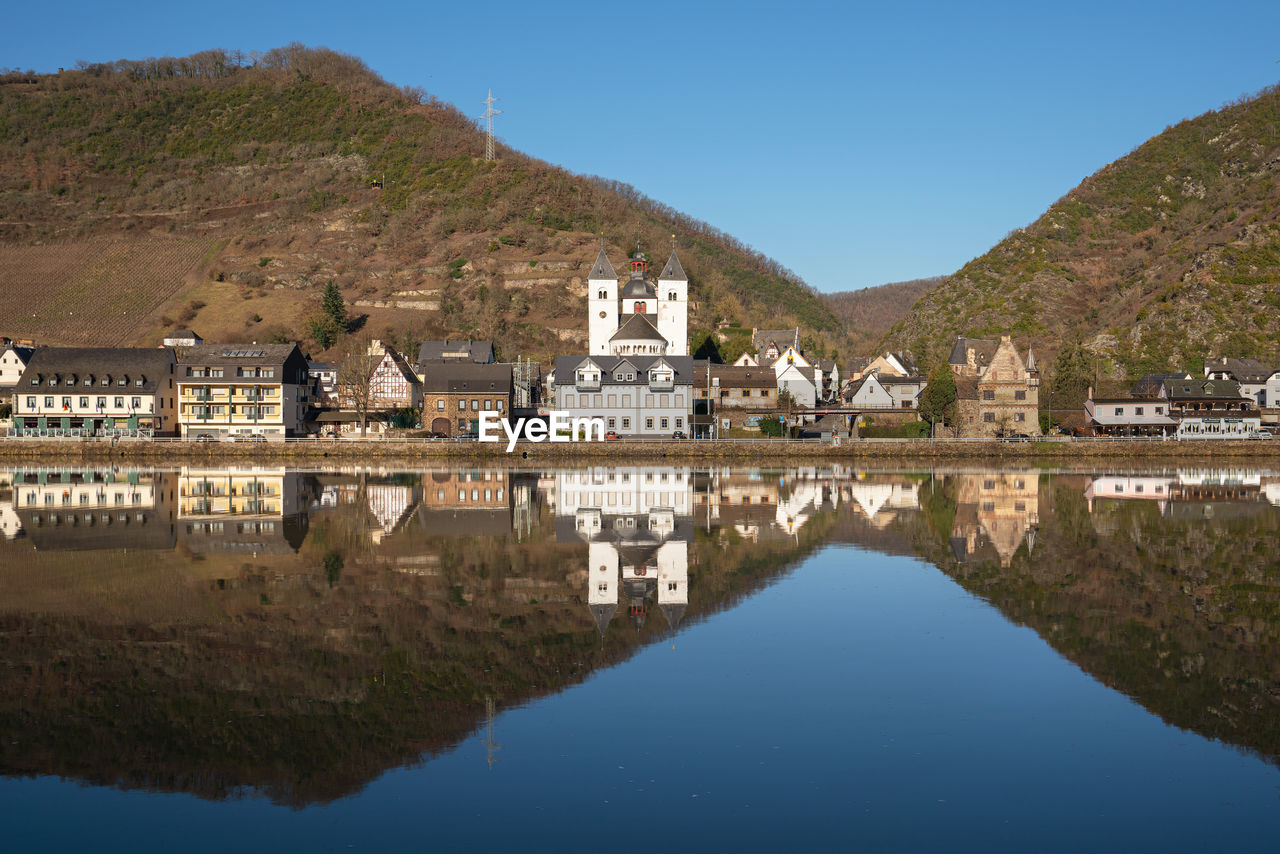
{"points": [[997, 392]]}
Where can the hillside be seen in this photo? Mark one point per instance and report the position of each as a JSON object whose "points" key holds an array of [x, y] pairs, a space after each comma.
{"points": [[868, 314], [1167, 255], [222, 191]]}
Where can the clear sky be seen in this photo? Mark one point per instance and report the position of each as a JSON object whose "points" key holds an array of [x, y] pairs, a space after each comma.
{"points": [[856, 143]]}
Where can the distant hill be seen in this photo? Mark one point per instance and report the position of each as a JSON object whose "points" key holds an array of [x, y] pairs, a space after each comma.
{"points": [[223, 190], [869, 313], [1169, 254]]}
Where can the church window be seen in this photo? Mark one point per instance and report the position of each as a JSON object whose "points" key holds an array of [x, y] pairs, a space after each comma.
{"points": [[671, 295], [602, 315], [639, 307], [602, 295]]}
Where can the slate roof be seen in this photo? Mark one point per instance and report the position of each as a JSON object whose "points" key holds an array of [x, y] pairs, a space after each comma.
{"points": [[784, 338], [673, 269], [983, 349], [1150, 384], [480, 352], [827, 365], [735, 376], [1198, 389], [97, 364], [456, 377], [637, 327], [638, 288], [233, 355], [1240, 370], [602, 269], [566, 368]]}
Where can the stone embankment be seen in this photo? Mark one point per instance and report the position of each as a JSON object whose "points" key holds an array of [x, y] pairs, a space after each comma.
{"points": [[311, 451]]}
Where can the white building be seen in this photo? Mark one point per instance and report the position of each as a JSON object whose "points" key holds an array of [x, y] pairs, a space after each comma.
{"points": [[643, 317]]}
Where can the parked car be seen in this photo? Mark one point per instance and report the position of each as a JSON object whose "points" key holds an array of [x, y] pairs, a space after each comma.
{"points": [[1260, 434], [255, 437], [610, 435], [1016, 437], [679, 434], [206, 437]]}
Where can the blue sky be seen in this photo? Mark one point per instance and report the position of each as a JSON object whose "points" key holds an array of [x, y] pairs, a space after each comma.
{"points": [[855, 143]]}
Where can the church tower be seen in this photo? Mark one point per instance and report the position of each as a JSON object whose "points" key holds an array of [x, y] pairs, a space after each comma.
{"points": [[602, 305], [673, 306]]}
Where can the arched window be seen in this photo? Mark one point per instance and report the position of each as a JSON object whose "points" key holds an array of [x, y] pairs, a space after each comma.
{"points": [[603, 295], [639, 307]]}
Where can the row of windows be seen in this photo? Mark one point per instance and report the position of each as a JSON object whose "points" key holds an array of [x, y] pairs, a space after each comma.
{"points": [[1138, 410], [659, 401], [215, 373], [89, 380], [989, 394], [990, 417], [664, 423], [476, 405], [134, 403]]}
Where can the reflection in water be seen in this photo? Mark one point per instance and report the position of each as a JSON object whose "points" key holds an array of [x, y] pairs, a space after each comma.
{"points": [[230, 623]]}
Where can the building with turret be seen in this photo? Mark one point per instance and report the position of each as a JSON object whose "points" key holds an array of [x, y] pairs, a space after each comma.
{"points": [[644, 316]]}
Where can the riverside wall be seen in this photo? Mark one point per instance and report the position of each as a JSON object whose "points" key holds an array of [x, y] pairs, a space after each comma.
{"points": [[355, 451]]}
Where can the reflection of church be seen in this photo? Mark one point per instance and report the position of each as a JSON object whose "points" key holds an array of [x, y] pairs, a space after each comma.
{"points": [[999, 509], [636, 523]]}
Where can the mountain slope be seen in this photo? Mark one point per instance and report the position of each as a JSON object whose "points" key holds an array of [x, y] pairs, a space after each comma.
{"points": [[299, 166], [1167, 255], [869, 313]]}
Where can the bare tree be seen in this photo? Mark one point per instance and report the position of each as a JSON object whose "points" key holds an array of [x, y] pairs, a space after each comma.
{"points": [[355, 374]]}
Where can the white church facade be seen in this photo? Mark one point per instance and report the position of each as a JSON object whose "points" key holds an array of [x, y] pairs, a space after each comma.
{"points": [[643, 317]]}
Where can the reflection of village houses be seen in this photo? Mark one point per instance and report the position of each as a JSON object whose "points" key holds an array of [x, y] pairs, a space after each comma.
{"points": [[880, 499], [995, 512], [241, 510], [91, 508], [468, 502], [637, 524], [1189, 493]]}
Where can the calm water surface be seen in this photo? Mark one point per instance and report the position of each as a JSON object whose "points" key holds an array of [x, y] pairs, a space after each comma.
{"points": [[645, 656]]}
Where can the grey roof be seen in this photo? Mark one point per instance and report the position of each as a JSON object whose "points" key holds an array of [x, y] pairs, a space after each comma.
{"points": [[637, 287], [637, 327], [673, 269], [735, 376], [184, 333], [674, 613], [602, 269], [1241, 370], [480, 352], [239, 354], [983, 348], [566, 367], [97, 364], [467, 377], [1183, 389], [827, 365], [602, 613], [1150, 384], [784, 338]]}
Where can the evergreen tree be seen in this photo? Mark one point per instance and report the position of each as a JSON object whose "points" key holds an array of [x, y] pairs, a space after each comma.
{"points": [[938, 402], [334, 307]]}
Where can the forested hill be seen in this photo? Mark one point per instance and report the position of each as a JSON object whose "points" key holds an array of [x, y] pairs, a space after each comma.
{"points": [[869, 313], [1166, 255], [223, 190]]}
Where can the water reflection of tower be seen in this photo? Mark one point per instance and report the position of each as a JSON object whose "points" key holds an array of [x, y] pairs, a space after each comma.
{"points": [[1001, 507], [636, 522]]}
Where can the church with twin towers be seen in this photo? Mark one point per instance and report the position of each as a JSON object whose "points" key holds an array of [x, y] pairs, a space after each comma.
{"points": [[643, 317]]}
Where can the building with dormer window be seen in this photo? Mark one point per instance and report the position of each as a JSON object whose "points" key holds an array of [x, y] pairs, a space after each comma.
{"points": [[96, 391], [643, 396], [233, 390]]}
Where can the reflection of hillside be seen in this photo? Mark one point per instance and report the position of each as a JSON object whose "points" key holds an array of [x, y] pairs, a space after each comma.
{"points": [[1180, 611], [306, 675]]}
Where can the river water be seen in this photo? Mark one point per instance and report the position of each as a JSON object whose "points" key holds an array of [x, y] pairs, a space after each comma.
{"points": [[621, 658]]}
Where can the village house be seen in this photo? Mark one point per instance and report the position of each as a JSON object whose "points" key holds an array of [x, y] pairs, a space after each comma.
{"points": [[393, 384], [794, 375], [231, 390], [14, 356], [1127, 415], [91, 391], [1210, 409], [454, 394], [1257, 380], [732, 396], [997, 393], [649, 396]]}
